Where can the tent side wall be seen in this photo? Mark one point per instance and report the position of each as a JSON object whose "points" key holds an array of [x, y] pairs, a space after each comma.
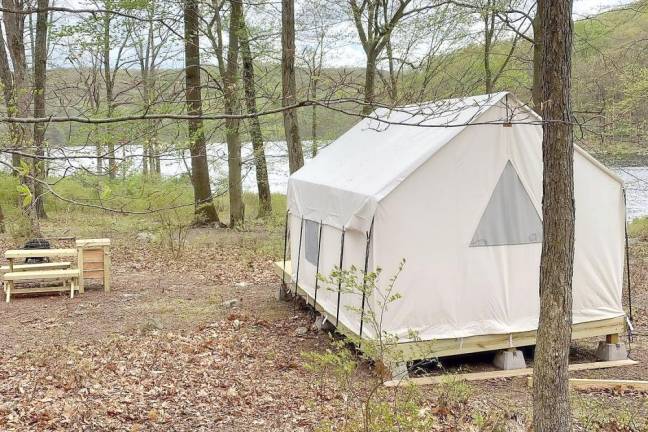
{"points": [[453, 290], [330, 252]]}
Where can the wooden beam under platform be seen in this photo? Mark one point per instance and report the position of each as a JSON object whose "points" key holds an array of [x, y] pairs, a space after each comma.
{"points": [[498, 374]]}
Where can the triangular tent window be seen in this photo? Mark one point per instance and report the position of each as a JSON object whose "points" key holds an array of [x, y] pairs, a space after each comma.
{"points": [[510, 217]]}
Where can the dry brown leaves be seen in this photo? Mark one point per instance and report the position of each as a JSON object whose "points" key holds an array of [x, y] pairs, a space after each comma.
{"points": [[220, 377]]}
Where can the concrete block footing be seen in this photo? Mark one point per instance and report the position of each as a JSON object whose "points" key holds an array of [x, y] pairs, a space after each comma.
{"points": [[398, 370], [323, 324], [509, 359], [611, 351], [282, 293]]}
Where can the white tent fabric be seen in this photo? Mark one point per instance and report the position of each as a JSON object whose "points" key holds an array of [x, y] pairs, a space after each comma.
{"points": [[425, 180]]}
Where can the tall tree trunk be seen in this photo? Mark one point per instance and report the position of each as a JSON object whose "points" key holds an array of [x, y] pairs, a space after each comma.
{"points": [[263, 186], [551, 407], [232, 126], [40, 81], [314, 140], [145, 158], [15, 31], [204, 207], [393, 79], [109, 80], [370, 80], [6, 77], [2, 223], [289, 85], [100, 167], [488, 37], [536, 91]]}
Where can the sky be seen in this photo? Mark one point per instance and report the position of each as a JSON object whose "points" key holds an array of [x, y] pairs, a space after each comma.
{"points": [[583, 8], [352, 55]]}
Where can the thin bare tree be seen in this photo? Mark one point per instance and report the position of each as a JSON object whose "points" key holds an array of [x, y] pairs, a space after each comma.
{"points": [[254, 125], [289, 86], [204, 206], [40, 82]]}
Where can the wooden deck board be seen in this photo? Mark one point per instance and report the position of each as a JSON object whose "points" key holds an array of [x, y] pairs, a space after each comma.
{"points": [[45, 253], [41, 275], [39, 266]]}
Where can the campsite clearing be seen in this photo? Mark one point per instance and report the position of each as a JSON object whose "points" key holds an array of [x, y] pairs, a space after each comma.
{"points": [[166, 342]]}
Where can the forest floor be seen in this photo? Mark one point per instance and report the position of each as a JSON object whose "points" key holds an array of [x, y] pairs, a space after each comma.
{"points": [[165, 351]]}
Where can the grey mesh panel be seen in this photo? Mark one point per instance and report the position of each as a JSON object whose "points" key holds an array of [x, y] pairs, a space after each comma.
{"points": [[510, 217], [311, 237]]}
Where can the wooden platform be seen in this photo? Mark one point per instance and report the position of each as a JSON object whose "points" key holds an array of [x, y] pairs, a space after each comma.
{"points": [[409, 351]]}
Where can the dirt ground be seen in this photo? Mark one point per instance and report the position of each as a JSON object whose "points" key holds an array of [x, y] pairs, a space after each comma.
{"points": [[164, 351]]}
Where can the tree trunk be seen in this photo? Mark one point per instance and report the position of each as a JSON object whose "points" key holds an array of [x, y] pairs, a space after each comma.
{"points": [[314, 143], [100, 158], [370, 80], [393, 79], [145, 158], [204, 206], [6, 77], [108, 78], [536, 91], [40, 81], [263, 186], [15, 31], [232, 106], [2, 223], [488, 74], [551, 406], [289, 85]]}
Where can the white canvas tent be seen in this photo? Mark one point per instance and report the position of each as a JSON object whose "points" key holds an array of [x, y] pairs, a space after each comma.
{"points": [[454, 188]]}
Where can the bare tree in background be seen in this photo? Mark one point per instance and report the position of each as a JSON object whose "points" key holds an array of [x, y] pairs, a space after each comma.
{"points": [[40, 81], [254, 125], [495, 32], [289, 85], [14, 75], [151, 45], [228, 71], [551, 405], [204, 206], [232, 126], [374, 21]]}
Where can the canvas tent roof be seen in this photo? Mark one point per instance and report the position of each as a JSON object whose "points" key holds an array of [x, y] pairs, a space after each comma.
{"points": [[343, 185]]}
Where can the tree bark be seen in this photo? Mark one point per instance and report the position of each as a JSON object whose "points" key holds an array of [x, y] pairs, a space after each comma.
{"points": [[263, 186], [314, 138], [289, 85], [370, 83], [393, 79], [15, 31], [232, 126], [489, 28], [40, 81], [109, 82], [536, 91], [6, 77], [204, 207], [551, 405]]}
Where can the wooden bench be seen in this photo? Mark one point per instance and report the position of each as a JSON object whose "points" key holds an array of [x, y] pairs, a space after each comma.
{"points": [[70, 278], [40, 266]]}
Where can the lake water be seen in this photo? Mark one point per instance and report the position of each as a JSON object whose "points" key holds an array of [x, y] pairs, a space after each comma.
{"points": [[174, 164]]}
